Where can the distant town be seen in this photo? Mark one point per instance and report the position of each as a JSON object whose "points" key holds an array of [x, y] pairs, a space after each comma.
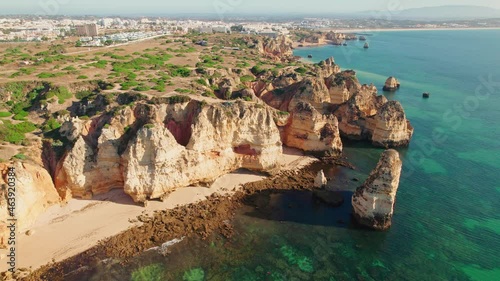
{"points": [[97, 32]]}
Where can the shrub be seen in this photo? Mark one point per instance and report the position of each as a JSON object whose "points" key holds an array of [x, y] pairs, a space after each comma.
{"points": [[50, 125], [62, 93], [182, 91], [15, 133], [178, 99], [5, 114], [83, 94], [301, 70], [201, 81], [247, 78], [20, 156]]}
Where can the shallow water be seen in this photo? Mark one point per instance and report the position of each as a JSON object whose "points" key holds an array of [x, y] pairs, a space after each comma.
{"points": [[447, 220]]}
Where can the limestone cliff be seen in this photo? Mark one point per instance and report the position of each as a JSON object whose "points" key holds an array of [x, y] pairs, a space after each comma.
{"points": [[154, 148], [361, 113], [390, 128], [34, 191], [373, 202], [312, 131], [279, 48]]}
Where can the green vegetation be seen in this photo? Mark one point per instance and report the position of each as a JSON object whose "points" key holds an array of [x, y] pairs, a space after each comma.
{"points": [[20, 156], [182, 50], [202, 82], [182, 91], [45, 75], [50, 125], [62, 93], [15, 133], [142, 88], [82, 77], [149, 126], [177, 71], [178, 99], [153, 272], [247, 78], [5, 114], [210, 61], [83, 94], [99, 64], [196, 274], [301, 70]]}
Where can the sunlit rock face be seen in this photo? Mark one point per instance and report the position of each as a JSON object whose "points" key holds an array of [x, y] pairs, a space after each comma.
{"points": [[373, 202]]}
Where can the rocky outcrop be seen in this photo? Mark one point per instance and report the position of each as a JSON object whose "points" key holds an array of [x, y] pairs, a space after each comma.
{"points": [[93, 165], [320, 180], [34, 191], [327, 68], [154, 148], [353, 113], [373, 202], [279, 48], [312, 131], [341, 86], [389, 126], [361, 113], [391, 84]]}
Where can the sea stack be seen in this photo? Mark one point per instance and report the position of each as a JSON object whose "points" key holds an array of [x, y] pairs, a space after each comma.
{"points": [[426, 95], [373, 202], [391, 84]]}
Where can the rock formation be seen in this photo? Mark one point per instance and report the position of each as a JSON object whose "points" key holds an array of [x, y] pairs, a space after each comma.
{"points": [[389, 126], [373, 202], [312, 131], [279, 48], [34, 191], [320, 180], [391, 84], [155, 148]]}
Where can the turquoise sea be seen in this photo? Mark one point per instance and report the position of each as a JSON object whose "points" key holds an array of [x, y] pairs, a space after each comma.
{"points": [[447, 216]]}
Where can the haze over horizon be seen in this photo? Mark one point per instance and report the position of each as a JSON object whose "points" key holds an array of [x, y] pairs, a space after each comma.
{"points": [[130, 7]]}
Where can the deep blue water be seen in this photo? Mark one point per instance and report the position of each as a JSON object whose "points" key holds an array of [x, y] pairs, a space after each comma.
{"points": [[447, 216]]}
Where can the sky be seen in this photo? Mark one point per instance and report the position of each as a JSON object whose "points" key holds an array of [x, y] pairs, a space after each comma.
{"points": [[125, 7]]}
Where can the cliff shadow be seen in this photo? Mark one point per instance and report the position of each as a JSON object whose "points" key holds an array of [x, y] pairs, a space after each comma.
{"points": [[299, 206]]}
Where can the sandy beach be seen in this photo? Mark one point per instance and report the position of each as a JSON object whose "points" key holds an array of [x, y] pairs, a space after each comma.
{"points": [[85, 222]]}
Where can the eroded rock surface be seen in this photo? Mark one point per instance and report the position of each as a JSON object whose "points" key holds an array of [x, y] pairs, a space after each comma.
{"points": [[34, 193], [373, 202], [154, 148]]}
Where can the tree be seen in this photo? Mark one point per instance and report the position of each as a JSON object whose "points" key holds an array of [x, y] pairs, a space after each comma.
{"points": [[78, 43]]}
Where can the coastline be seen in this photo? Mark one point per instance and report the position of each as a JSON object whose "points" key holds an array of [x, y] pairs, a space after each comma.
{"points": [[373, 30], [118, 214], [297, 45]]}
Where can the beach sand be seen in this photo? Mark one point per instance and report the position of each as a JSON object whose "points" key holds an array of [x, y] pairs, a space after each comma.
{"points": [[64, 231]]}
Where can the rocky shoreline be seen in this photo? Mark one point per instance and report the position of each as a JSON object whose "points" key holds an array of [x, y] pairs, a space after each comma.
{"points": [[198, 219]]}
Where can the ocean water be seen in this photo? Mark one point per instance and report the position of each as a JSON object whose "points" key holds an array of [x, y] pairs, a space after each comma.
{"points": [[447, 215]]}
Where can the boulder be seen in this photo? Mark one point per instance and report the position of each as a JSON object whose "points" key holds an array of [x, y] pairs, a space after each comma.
{"points": [[391, 84], [373, 202], [320, 180]]}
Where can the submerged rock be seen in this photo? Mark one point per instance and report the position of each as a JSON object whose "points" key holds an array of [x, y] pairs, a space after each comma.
{"points": [[373, 202], [332, 198]]}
